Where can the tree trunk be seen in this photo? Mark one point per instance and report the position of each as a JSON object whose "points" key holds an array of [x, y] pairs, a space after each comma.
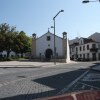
{"points": [[8, 52], [21, 55]]}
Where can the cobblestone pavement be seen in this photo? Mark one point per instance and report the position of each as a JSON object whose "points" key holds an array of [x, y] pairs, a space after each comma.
{"points": [[90, 80], [32, 87], [32, 83], [37, 86], [23, 90]]}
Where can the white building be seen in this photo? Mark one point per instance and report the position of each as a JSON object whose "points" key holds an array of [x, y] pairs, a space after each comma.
{"points": [[85, 49], [4, 54], [43, 47], [11, 54]]}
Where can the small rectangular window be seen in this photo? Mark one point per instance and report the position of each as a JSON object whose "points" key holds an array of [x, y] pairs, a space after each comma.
{"points": [[87, 47], [72, 49], [83, 48], [80, 55], [99, 45], [93, 45], [76, 49], [80, 49], [48, 38], [88, 55], [83, 55], [99, 56]]}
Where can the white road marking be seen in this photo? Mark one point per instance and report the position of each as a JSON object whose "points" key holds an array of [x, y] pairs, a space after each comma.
{"points": [[88, 85], [92, 77], [68, 86]]}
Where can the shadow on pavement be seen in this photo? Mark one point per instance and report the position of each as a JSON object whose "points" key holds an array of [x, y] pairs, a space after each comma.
{"points": [[30, 96], [56, 82], [59, 81]]}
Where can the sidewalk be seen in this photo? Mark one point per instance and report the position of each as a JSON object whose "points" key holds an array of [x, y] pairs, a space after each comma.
{"points": [[29, 64]]}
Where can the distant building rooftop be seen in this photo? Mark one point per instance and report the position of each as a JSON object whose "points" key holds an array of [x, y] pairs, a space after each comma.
{"points": [[95, 36]]}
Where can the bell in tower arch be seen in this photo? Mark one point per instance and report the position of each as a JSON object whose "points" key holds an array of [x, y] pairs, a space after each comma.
{"points": [[64, 35], [34, 35]]}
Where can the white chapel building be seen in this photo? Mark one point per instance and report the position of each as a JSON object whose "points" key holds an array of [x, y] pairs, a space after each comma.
{"points": [[43, 47]]}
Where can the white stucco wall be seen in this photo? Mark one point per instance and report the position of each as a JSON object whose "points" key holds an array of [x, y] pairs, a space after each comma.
{"points": [[81, 41], [4, 53], [86, 51], [42, 45], [12, 53]]}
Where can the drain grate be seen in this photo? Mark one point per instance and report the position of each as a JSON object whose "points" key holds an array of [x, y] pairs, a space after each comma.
{"points": [[21, 76]]}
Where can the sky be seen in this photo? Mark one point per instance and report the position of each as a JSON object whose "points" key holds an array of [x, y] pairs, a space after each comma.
{"points": [[36, 16]]}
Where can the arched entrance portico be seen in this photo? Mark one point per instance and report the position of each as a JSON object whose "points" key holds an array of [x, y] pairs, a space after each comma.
{"points": [[48, 54]]}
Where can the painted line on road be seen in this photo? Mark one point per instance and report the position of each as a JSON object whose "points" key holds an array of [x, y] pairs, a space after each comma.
{"points": [[71, 84], [89, 85]]}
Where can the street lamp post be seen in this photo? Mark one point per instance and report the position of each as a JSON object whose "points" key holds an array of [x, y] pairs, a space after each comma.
{"points": [[54, 35], [87, 1]]}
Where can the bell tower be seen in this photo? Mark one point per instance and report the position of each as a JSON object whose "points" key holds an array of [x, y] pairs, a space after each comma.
{"points": [[66, 52], [33, 45], [64, 41]]}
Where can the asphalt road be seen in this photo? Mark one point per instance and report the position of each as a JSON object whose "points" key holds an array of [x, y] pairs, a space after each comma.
{"points": [[32, 83]]}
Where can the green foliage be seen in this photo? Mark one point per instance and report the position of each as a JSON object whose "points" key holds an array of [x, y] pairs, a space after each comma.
{"points": [[22, 43], [6, 37], [11, 40]]}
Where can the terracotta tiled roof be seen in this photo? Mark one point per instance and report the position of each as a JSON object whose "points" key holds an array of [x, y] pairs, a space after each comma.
{"points": [[74, 44], [86, 40]]}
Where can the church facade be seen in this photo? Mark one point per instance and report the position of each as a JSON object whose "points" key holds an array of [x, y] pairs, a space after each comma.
{"points": [[43, 47]]}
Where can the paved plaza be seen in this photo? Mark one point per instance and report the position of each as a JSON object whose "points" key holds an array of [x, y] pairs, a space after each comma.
{"points": [[26, 80]]}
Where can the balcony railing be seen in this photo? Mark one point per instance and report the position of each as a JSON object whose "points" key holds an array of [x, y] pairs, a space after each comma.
{"points": [[93, 49]]}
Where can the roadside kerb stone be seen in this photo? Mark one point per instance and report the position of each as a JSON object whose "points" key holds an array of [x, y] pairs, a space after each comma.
{"points": [[29, 64]]}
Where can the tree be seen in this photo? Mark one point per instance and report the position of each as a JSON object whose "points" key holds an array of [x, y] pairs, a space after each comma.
{"points": [[22, 43], [7, 36], [2, 37], [11, 40]]}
